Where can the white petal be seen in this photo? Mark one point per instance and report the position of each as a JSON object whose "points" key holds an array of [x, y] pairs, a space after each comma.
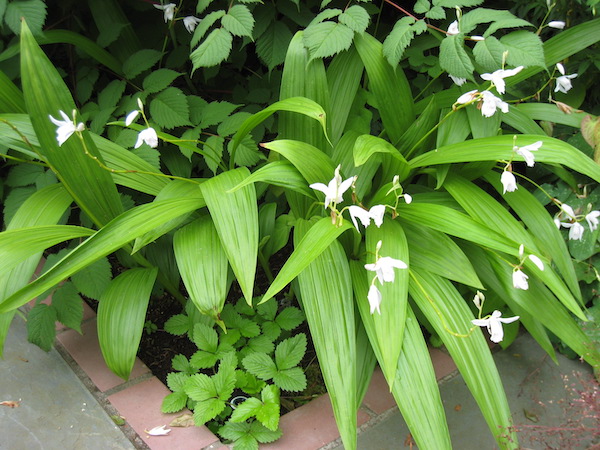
{"points": [[377, 212], [458, 80], [360, 213], [558, 24], [453, 28], [374, 297], [467, 97], [592, 219], [568, 211], [560, 68], [576, 231], [521, 250], [477, 38], [537, 261], [131, 117], [407, 199], [520, 280], [509, 182]]}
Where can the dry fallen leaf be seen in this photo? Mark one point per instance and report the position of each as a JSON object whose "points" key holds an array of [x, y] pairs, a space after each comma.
{"points": [[10, 403], [184, 420]]}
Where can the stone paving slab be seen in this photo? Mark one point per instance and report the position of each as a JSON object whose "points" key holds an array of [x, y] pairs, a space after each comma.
{"points": [[62, 415]]}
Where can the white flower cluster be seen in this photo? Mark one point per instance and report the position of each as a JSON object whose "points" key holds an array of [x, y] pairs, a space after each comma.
{"points": [[508, 180], [189, 22], [148, 135], [568, 219]]}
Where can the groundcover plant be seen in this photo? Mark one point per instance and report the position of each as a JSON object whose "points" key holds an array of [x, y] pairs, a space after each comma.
{"points": [[408, 154]]}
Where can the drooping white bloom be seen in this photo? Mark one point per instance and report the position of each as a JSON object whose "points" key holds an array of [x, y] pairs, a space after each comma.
{"points": [[158, 431], [467, 97], [374, 297], [568, 211], [459, 81], [575, 230], [497, 77], [519, 280], [537, 261], [148, 136], [453, 28], [384, 268], [494, 325], [477, 38], [66, 127], [509, 182], [334, 191], [592, 219], [563, 83], [478, 299], [408, 199], [168, 9], [491, 103], [526, 150], [190, 23], [558, 24], [131, 117]]}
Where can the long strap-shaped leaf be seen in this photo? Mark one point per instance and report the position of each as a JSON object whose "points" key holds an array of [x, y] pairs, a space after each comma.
{"points": [[448, 313], [202, 263], [121, 315], [46, 94], [326, 293], [111, 237], [235, 215]]}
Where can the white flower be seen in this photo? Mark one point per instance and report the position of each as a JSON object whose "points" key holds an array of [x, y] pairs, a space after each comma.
{"points": [[537, 261], [558, 24], [335, 189], [592, 219], [376, 213], [190, 23], [408, 199], [477, 38], [479, 299], [169, 10], [158, 431], [497, 77], [384, 268], [509, 182], [519, 280], [494, 325], [148, 136], [131, 117], [458, 80], [66, 127], [374, 297], [490, 103], [575, 230], [563, 83], [568, 211], [525, 152], [467, 97], [453, 28]]}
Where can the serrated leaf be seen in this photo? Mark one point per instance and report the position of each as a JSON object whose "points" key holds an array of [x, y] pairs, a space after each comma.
{"points": [[290, 352], [181, 364], [247, 152], [207, 410], [238, 21], [267, 310], [159, 80], [214, 50], [325, 15], [488, 53], [173, 402], [260, 344], [231, 124], [356, 18], [327, 38], [216, 112], [170, 109], [111, 94], [202, 5], [422, 6], [271, 330], [93, 279], [457, 3], [178, 324], [205, 25], [524, 49], [213, 149], [200, 387], [33, 11], [437, 12], [224, 380], [203, 360], [246, 410], [289, 318], [205, 337], [273, 44], [291, 379], [41, 326], [248, 328], [140, 61], [234, 431], [262, 434], [260, 365], [396, 42], [269, 413], [453, 57], [176, 381], [23, 175], [69, 306]]}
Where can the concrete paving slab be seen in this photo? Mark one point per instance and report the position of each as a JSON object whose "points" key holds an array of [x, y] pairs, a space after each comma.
{"points": [[56, 410], [548, 403]]}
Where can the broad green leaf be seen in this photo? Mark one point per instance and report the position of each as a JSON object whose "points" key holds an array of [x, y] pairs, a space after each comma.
{"points": [[205, 337], [11, 98], [315, 241], [290, 352], [454, 59], [93, 279], [273, 44], [68, 305], [204, 25], [205, 277], [214, 50], [41, 326], [238, 21], [488, 53], [327, 38], [206, 410], [121, 315], [289, 318], [328, 277], [399, 38], [235, 215], [110, 238], [170, 108], [279, 173], [449, 314], [140, 61], [541, 111], [356, 18], [260, 365], [250, 407], [292, 379], [174, 402], [159, 80], [367, 145], [31, 11], [524, 49]]}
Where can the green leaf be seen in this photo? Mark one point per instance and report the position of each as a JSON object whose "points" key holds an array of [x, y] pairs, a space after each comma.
{"points": [[290, 352], [454, 59], [422, 6], [263, 434], [203, 360], [289, 318], [356, 18], [398, 39], [170, 108], [273, 44], [327, 38], [292, 379], [68, 305], [178, 324], [176, 381], [488, 53], [23, 175], [238, 21], [247, 153], [181, 364], [41, 329], [437, 12], [174, 402], [260, 365], [367, 145], [214, 50], [159, 80], [524, 49], [205, 337], [224, 380], [200, 387], [93, 280], [206, 410], [121, 314], [204, 25], [140, 61], [33, 11], [246, 410]]}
